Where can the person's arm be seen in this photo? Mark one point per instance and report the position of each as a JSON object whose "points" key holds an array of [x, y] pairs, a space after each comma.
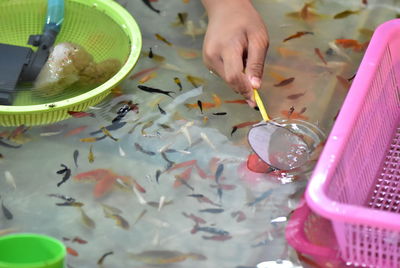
{"points": [[235, 44]]}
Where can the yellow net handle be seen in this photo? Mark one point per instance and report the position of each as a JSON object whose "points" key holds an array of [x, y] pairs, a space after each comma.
{"points": [[261, 106]]}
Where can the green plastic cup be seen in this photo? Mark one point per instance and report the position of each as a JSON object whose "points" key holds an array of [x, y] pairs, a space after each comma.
{"points": [[31, 251]]}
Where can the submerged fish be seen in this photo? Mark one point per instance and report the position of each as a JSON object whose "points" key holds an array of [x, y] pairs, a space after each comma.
{"points": [[161, 38], [297, 35], [194, 80], [319, 54], [284, 82], [78, 114], [161, 110], [178, 82], [6, 212], [140, 149], [346, 13], [75, 155], [91, 155], [67, 174], [87, 221], [164, 256], [155, 90], [149, 5], [101, 260]]}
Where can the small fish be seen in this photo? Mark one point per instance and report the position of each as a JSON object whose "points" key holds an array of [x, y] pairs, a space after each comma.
{"points": [[70, 204], [263, 196], [291, 110], [352, 77], [107, 133], [145, 126], [210, 230], [140, 148], [241, 101], [219, 171], [149, 5], [239, 215], [187, 54], [91, 155], [297, 35], [293, 115], [195, 81], [164, 256], [158, 174], [88, 222], [212, 210], [234, 129], [101, 260], [6, 212], [303, 110], [220, 113], [110, 209], [295, 96], [166, 127], [144, 211], [77, 114], [217, 237], [151, 55], [181, 18], [72, 252], [63, 197], [207, 140], [67, 174], [92, 139], [120, 221], [343, 81], [319, 54], [143, 72], [7, 145], [75, 155], [161, 110], [284, 82], [178, 82], [134, 127], [351, 43], [242, 125], [75, 131], [147, 77], [346, 13], [204, 105], [79, 240], [169, 162], [197, 220], [200, 105], [10, 179], [155, 90], [161, 38]]}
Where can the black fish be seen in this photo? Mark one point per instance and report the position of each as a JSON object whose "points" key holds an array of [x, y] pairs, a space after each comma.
{"points": [[7, 213], [122, 112], [161, 110], [2, 143], [147, 3], [67, 174], [182, 17], [233, 130], [220, 113], [63, 197], [169, 162], [212, 210], [196, 195], [158, 174], [140, 148], [210, 230], [155, 90], [101, 260], [151, 55], [76, 154], [200, 104]]}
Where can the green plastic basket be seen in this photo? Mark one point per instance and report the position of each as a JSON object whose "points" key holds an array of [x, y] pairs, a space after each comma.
{"points": [[104, 28]]}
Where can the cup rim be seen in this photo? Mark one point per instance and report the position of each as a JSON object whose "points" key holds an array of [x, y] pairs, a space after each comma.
{"points": [[56, 258]]}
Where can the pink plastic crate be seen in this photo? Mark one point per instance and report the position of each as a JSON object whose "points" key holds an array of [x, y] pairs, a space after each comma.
{"points": [[356, 183]]}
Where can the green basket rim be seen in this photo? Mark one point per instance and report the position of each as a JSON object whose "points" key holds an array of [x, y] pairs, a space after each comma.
{"points": [[135, 38]]}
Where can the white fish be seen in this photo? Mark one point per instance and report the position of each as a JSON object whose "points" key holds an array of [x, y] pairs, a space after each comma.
{"points": [[161, 203], [186, 133], [279, 219], [139, 196], [48, 134], [10, 179], [207, 140], [121, 152]]}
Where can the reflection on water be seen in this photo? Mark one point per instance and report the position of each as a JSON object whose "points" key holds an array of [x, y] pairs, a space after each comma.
{"points": [[176, 176]]}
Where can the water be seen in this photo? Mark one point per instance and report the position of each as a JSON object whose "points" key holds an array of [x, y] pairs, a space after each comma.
{"points": [[250, 201]]}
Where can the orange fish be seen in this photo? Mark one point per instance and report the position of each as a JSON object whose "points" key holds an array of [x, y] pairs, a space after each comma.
{"points": [[242, 125], [185, 175], [205, 105], [241, 101], [103, 186], [142, 73], [319, 54], [284, 52], [147, 77], [293, 115], [343, 81], [351, 43], [297, 35], [183, 164], [217, 100], [72, 252], [75, 131]]}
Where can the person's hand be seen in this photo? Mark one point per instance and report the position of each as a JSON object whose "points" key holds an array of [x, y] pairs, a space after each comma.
{"points": [[235, 44]]}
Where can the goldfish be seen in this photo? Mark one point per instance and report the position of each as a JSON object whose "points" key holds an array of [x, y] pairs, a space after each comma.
{"points": [[351, 43], [78, 114], [184, 176], [305, 13], [204, 105], [72, 252], [217, 100], [319, 54], [194, 80], [195, 218], [297, 35], [346, 13], [285, 82], [147, 77], [164, 256], [242, 125], [285, 52], [241, 101], [293, 115], [75, 131], [188, 54], [143, 73]]}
